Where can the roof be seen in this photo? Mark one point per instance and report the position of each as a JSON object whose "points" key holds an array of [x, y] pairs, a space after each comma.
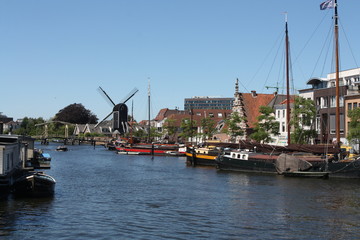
{"points": [[165, 112], [252, 105], [285, 101]]}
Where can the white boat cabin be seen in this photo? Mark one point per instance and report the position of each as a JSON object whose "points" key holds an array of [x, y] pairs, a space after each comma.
{"points": [[240, 155]]}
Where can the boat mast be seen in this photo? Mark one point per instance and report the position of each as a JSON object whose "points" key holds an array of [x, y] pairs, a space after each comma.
{"points": [[149, 126], [336, 35], [287, 81]]}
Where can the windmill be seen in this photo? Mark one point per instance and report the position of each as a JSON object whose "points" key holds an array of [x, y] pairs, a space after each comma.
{"points": [[119, 112]]}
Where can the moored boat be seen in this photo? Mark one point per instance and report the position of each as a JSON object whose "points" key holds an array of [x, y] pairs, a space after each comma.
{"points": [[34, 184], [319, 167], [204, 156], [148, 149], [246, 161]]}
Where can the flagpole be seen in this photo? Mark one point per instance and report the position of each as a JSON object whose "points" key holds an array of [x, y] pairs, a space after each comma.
{"points": [[336, 35]]}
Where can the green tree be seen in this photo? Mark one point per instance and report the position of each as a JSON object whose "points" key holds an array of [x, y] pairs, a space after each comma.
{"points": [[354, 125], [266, 125], [233, 128], [27, 126], [140, 133], [188, 128], [170, 128], [208, 127], [76, 113], [154, 133], [303, 119]]}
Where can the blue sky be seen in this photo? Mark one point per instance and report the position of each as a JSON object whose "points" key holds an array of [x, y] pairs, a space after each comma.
{"points": [[55, 53]]}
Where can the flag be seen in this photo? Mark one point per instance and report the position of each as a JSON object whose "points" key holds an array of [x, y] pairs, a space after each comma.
{"points": [[327, 4]]}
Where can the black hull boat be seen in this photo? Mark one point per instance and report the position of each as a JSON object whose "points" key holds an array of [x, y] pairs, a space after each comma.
{"points": [[244, 161], [304, 165], [34, 184]]}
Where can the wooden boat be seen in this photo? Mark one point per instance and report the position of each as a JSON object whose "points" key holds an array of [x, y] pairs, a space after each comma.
{"points": [[333, 168], [34, 184], [299, 165], [204, 156], [319, 166]]}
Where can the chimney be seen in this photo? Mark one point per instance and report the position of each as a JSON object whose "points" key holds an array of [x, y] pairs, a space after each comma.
{"points": [[253, 93]]}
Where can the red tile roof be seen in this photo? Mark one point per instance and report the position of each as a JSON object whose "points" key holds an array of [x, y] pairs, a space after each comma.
{"points": [[252, 104]]}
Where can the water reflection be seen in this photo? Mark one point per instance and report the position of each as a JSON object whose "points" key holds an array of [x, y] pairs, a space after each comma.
{"points": [[103, 195], [17, 214]]}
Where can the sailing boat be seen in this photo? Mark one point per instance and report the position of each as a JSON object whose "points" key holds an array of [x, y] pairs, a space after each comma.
{"points": [[324, 169], [292, 160]]}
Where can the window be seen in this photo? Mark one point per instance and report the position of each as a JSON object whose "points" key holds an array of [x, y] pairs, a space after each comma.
{"points": [[332, 101], [220, 115], [324, 102], [333, 123], [355, 105], [349, 106]]}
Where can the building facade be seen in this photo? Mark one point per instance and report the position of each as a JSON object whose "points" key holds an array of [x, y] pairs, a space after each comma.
{"points": [[208, 103], [324, 96]]}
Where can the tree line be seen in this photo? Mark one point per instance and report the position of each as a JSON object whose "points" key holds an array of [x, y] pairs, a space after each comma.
{"points": [[302, 122]]}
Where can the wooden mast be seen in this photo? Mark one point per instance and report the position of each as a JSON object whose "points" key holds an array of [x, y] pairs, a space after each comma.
{"points": [[336, 35], [287, 81], [149, 126]]}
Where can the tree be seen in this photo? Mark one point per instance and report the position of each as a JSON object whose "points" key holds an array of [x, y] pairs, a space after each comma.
{"points": [[187, 127], [303, 118], [234, 129], [208, 127], [154, 133], [76, 113], [170, 128], [266, 125], [27, 126], [140, 133], [354, 125]]}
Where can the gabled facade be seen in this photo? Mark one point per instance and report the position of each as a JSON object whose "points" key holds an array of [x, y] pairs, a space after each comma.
{"points": [[248, 104], [104, 128]]}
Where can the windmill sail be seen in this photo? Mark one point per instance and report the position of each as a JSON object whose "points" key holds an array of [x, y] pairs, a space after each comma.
{"points": [[119, 112]]}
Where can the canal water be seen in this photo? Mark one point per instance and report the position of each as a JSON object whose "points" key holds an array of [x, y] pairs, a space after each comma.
{"points": [[102, 195]]}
